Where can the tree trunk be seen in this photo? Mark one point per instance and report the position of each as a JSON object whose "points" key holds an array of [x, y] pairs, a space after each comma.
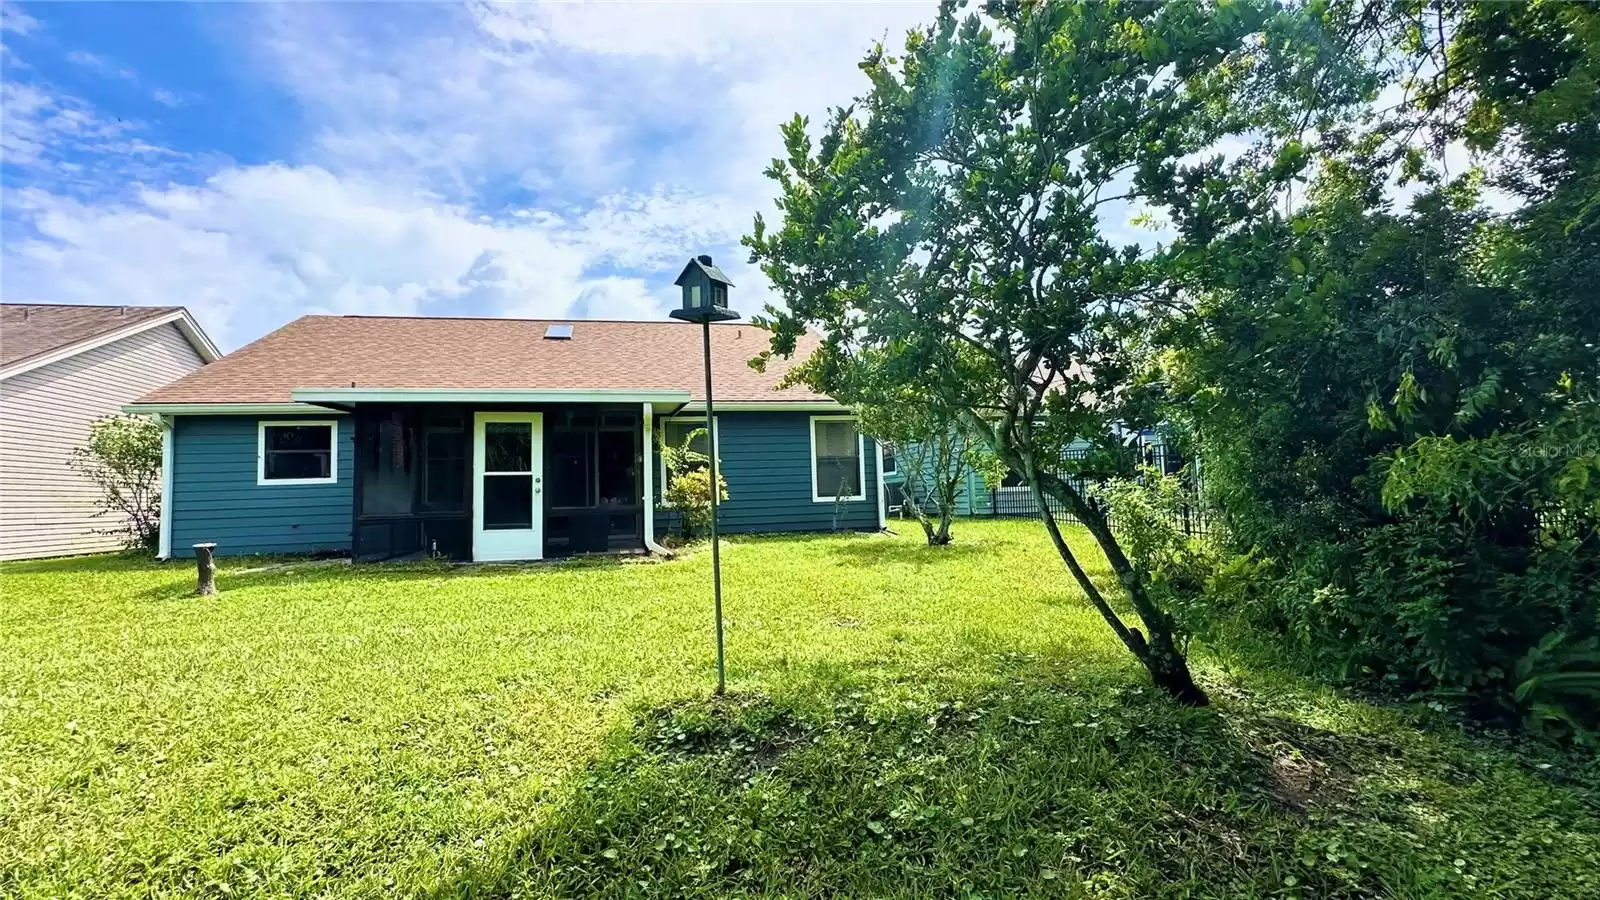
{"points": [[935, 538], [1160, 654]]}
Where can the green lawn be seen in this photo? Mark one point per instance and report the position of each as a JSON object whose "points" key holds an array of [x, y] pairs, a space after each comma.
{"points": [[904, 721]]}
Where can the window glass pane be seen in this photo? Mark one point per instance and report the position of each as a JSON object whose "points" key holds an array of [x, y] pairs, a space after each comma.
{"points": [[617, 467], [444, 479], [387, 469], [890, 466], [677, 431], [507, 502], [508, 447], [296, 464], [299, 437], [838, 459], [297, 451]]}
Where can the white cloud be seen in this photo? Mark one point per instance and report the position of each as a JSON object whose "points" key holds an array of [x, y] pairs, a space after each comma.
{"points": [[254, 247], [100, 64], [166, 98], [537, 160], [41, 126], [13, 19]]}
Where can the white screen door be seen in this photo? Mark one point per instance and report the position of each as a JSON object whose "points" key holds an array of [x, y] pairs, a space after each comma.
{"points": [[508, 505]]}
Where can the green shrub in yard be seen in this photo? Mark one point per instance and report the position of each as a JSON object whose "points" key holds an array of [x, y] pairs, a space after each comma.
{"points": [[123, 460]]}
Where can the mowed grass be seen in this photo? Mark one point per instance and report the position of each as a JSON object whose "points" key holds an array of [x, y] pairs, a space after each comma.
{"points": [[904, 721]]}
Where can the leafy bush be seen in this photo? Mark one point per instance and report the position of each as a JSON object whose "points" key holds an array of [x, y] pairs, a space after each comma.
{"points": [[123, 459], [688, 489]]}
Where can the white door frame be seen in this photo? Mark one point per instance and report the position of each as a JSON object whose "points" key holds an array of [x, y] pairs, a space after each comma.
{"points": [[503, 544]]}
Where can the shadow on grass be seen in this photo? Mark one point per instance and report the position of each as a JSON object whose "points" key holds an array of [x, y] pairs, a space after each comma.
{"points": [[241, 572], [914, 552], [1014, 786]]}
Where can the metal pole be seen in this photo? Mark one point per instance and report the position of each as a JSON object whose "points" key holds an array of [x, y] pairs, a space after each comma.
{"points": [[716, 554]]}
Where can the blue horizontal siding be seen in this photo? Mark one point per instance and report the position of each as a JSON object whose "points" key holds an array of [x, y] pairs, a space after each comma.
{"points": [[215, 496], [766, 460]]}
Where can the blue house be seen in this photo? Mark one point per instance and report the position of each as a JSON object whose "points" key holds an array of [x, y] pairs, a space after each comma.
{"points": [[492, 439]]}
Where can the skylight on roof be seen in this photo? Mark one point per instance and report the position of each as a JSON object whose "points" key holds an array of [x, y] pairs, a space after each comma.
{"points": [[558, 333]]}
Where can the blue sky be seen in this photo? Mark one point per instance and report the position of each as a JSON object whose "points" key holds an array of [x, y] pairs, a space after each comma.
{"points": [[259, 162]]}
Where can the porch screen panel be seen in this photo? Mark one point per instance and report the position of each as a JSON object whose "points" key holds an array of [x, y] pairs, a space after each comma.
{"points": [[388, 469]]}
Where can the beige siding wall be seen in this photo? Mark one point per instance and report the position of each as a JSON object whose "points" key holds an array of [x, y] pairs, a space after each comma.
{"points": [[46, 509]]}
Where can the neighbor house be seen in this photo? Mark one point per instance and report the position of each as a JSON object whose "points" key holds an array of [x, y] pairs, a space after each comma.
{"points": [[492, 439], [61, 368]]}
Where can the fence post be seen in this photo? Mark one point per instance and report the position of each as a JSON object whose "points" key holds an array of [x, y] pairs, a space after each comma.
{"points": [[206, 580]]}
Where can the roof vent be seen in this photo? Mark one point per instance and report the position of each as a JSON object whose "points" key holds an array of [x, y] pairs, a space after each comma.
{"points": [[558, 333]]}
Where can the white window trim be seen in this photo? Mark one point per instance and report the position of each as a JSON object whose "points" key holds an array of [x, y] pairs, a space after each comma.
{"points": [[716, 445], [261, 451], [861, 460]]}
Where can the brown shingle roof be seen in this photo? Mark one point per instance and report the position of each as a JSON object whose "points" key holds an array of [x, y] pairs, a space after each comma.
{"points": [[32, 329], [485, 354]]}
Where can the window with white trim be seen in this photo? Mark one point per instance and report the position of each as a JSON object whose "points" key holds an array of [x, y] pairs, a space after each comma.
{"points": [[675, 431], [298, 453], [890, 464], [837, 465]]}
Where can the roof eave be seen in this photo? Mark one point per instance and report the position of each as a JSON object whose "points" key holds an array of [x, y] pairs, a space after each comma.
{"points": [[486, 395], [180, 317]]}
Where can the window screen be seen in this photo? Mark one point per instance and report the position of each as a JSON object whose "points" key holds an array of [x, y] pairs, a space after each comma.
{"points": [[838, 459]]}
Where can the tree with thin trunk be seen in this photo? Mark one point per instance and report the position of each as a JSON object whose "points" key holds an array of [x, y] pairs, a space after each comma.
{"points": [[123, 459], [955, 217], [895, 408]]}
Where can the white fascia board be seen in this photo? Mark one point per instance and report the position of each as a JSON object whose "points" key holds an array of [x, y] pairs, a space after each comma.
{"points": [[191, 332], [225, 409], [480, 395], [813, 406]]}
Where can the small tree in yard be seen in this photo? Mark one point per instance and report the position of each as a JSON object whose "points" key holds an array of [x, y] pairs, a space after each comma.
{"points": [[688, 488], [951, 219], [929, 452], [896, 407], [123, 459]]}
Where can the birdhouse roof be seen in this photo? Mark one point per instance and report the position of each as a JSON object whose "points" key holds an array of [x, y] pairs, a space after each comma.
{"points": [[711, 271]]}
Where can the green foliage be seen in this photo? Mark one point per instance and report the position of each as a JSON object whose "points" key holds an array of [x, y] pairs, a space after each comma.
{"points": [[902, 724], [945, 230], [1558, 684], [688, 489], [1396, 404], [123, 459]]}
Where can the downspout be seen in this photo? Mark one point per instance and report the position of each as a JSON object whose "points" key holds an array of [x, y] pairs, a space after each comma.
{"points": [[164, 529], [650, 484], [883, 501]]}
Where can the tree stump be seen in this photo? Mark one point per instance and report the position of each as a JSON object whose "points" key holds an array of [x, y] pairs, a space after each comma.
{"points": [[206, 565]]}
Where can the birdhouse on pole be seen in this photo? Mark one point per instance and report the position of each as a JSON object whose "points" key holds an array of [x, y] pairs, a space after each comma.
{"points": [[705, 293]]}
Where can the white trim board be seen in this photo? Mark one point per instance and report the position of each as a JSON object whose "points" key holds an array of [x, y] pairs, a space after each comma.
{"points": [[816, 406], [180, 317], [483, 395], [861, 459], [226, 409], [261, 452]]}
